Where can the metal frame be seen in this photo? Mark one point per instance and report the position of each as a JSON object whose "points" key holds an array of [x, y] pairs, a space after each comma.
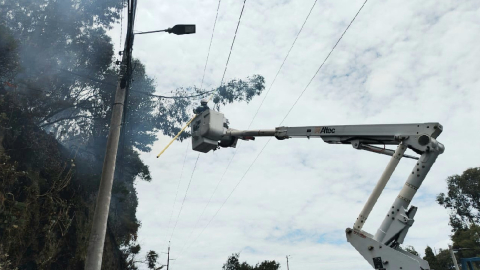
{"points": [[381, 250]]}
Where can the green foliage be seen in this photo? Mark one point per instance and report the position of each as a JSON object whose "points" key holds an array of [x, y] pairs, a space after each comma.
{"points": [[151, 257], [430, 258], [411, 249], [463, 198], [57, 74], [441, 261], [233, 263], [467, 241], [8, 55]]}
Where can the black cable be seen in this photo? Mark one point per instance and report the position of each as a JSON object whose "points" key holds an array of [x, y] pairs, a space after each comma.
{"points": [[238, 183], [186, 192], [225, 70], [178, 188], [325, 60], [209, 46], [233, 42], [281, 66], [248, 169], [121, 25], [208, 203]]}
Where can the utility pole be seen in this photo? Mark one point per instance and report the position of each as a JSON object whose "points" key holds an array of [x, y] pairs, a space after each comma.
{"points": [[287, 262], [168, 256], [100, 218], [453, 257]]}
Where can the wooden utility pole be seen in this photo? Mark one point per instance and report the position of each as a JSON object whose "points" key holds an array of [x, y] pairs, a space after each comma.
{"points": [[100, 217], [287, 262]]}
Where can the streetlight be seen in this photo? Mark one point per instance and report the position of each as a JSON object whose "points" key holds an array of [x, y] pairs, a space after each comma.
{"points": [[179, 29]]}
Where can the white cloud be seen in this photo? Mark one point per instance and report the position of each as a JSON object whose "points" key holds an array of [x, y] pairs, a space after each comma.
{"points": [[400, 62]]}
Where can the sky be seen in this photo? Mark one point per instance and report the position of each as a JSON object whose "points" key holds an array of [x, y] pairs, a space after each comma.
{"points": [[400, 62]]}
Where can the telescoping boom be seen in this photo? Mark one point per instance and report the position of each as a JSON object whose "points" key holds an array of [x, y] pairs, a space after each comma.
{"points": [[382, 250]]}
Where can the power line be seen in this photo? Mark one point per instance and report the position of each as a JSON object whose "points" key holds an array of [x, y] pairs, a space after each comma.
{"points": [[325, 60], [253, 162], [211, 96], [211, 39], [208, 203], [178, 188], [238, 183], [186, 192], [281, 66], [233, 42], [121, 25], [221, 82], [224, 72]]}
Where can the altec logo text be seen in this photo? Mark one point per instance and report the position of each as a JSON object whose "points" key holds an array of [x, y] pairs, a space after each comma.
{"points": [[327, 130]]}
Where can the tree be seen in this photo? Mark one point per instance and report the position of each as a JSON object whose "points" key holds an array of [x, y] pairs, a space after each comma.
{"points": [[267, 265], [233, 263], [152, 257], [8, 56], [60, 61], [462, 199], [431, 258], [411, 249], [467, 241]]}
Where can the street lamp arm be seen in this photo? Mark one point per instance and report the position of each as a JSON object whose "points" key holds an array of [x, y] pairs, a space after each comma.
{"points": [[179, 29], [148, 32]]}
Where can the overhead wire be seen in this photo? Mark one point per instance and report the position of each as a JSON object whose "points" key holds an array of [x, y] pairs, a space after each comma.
{"points": [[221, 82], [283, 63], [209, 200], [225, 70], [323, 63], [178, 188], [265, 145], [234, 153], [183, 202], [210, 46]]}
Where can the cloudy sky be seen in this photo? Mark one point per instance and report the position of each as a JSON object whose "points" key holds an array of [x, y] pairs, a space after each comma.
{"points": [[400, 62]]}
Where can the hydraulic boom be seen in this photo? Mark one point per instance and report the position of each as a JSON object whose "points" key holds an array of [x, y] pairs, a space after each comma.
{"points": [[210, 131]]}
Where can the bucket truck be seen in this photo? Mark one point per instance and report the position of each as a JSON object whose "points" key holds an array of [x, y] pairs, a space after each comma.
{"points": [[210, 131]]}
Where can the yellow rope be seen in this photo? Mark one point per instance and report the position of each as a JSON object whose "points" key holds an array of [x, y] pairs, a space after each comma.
{"points": [[174, 138], [183, 129]]}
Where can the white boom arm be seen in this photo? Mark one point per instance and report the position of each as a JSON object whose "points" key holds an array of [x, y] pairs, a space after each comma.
{"points": [[382, 250]]}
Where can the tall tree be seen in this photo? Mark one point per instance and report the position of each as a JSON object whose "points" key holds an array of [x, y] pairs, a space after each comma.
{"points": [[463, 199], [60, 61]]}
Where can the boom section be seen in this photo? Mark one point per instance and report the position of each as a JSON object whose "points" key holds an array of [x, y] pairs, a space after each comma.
{"points": [[388, 134]]}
